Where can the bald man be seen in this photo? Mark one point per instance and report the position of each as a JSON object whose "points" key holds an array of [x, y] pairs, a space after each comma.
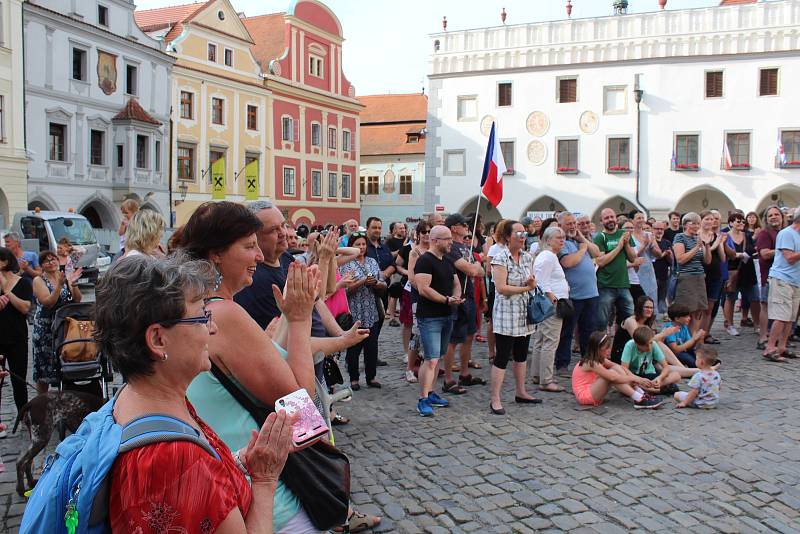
{"points": [[613, 285], [439, 292]]}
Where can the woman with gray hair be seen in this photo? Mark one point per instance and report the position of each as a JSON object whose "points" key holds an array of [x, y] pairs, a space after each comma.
{"points": [[550, 279], [160, 345], [690, 255]]}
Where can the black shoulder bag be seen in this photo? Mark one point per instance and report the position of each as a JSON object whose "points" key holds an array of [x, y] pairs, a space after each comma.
{"points": [[318, 475]]}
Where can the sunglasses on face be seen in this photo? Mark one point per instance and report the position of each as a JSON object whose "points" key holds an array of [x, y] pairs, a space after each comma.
{"points": [[200, 319], [359, 234], [424, 232], [521, 235]]}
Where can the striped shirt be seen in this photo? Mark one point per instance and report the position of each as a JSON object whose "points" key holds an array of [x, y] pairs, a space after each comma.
{"points": [[695, 265]]}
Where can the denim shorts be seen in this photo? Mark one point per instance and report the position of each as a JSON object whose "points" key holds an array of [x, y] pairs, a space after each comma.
{"points": [[713, 288], [434, 332], [465, 322]]}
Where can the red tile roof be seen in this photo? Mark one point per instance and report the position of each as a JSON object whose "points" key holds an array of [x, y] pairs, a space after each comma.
{"points": [[383, 139], [394, 108], [173, 17], [269, 34], [736, 2], [134, 112]]}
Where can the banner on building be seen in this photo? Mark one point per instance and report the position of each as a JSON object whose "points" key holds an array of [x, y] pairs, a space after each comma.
{"points": [[218, 179], [251, 180]]}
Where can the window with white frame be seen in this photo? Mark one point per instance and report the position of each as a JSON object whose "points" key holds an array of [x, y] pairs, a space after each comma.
{"points": [[507, 148], [131, 79], [332, 138], [455, 162], [332, 184], [316, 183], [212, 52], [371, 186], [187, 105], [141, 151], [346, 140], [567, 89], [228, 57], [619, 154], [316, 66], [615, 100], [252, 117], [504, 94], [57, 142], [316, 134], [288, 181], [79, 60], [157, 156], [102, 16], [406, 184], [186, 162], [217, 111], [467, 108], [567, 156], [121, 156], [96, 147], [287, 129], [345, 185]]}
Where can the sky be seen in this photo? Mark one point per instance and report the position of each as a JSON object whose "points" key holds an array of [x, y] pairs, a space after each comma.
{"points": [[386, 41]]}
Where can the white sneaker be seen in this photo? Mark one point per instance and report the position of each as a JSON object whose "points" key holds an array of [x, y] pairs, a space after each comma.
{"points": [[3, 434], [410, 378], [405, 358], [732, 330]]}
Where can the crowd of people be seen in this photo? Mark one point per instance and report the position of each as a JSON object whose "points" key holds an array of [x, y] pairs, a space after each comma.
{"points": [[242, 309]]}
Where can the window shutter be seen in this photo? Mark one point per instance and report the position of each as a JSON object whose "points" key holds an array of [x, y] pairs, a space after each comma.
{"points": [[296, 128]]}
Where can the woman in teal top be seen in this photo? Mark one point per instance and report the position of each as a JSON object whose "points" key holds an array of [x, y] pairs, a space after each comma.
{"points": [[224, 233]]}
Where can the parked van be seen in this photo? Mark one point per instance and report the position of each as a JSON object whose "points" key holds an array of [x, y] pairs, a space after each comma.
{"points": [[48, 227]]}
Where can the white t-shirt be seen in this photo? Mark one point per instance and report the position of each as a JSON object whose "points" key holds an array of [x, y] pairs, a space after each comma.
{"points": [[495, 249], [549, 275]]}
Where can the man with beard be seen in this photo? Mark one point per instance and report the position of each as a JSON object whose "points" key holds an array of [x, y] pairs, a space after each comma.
{"points": [[350, 226], [576, 260], [765, 248], [613, 285]]}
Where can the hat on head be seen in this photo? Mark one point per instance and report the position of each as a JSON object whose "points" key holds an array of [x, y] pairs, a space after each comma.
{"points": [[526, 221], [455, 219]]}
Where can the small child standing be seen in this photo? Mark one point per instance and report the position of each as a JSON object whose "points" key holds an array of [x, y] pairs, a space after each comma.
{"points": [[704, 385], [595, 375]]}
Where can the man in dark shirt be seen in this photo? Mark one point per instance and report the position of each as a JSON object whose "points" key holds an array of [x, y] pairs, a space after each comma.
{"points": [[674, 226], [439, 291], [765, 249], [397, 230], [662, 266], [378, 251], [465, 317]]}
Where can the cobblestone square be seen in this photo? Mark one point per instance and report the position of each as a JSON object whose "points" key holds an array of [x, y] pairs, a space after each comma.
{"points": [[556, 466]]}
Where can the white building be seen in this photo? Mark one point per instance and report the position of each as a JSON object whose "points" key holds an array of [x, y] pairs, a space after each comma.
{"points": [[97, 109], [563, 96]]}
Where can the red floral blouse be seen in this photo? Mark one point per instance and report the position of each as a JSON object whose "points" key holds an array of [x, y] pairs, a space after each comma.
{"points": [[176, 487]]}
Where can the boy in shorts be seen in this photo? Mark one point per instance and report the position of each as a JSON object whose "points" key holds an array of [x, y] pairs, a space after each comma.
{"points": [[644, 358]]}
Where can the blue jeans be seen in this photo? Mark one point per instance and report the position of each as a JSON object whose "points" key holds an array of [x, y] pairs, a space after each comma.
{"points": [[434, 332], [609, 299], [584, 317]]}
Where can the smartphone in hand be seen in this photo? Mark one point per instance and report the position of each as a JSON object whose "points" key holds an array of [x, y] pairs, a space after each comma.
{"points": [[310, 425]]}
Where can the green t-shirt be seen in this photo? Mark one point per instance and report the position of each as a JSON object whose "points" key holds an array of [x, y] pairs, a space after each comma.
{"points": [[641, 362], [615, 274]]}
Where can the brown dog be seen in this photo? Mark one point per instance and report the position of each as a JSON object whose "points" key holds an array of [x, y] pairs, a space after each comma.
{"points": [[43, 414]]}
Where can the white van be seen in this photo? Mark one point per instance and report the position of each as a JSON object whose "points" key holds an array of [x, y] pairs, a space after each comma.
{"points": [[48, 227]]}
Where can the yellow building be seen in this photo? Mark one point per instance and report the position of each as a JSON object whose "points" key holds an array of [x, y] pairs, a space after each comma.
{"points": [[220, 107], [13, 161]]}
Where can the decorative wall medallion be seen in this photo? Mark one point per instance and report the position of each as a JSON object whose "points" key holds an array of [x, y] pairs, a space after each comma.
{"points": [[388, 182], [537, 152], [275, 67], [106, 72], [538, 124], [486, 125], [588, 122]]}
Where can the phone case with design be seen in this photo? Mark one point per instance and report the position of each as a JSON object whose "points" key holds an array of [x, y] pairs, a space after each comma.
{"points": [[310, 425]]}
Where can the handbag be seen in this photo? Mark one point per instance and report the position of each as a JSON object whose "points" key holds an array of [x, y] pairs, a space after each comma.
{"points": [[345, 321], [540, 307], [331, 371], [318, 475], [564, 309], [78, 344]]}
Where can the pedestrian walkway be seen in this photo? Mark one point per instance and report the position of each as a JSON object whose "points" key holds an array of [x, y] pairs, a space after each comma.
{"points": [[557, 466]]}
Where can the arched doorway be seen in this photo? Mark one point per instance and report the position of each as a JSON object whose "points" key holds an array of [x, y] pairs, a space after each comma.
{"points": [[705, 198], [32, 205], [93, 217], [618, 204], [100, 213], [545, 203], [487, 212], [785, 195]]}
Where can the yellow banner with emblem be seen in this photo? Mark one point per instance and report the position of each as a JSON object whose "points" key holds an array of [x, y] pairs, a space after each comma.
{"points": [[251, 180], [218, 179]]}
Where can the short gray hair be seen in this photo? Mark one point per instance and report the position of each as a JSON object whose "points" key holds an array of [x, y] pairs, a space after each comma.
{"points": [[138, 291], [260, 205], [692, 216], [12, 235], [550, 233], [563, 215]]}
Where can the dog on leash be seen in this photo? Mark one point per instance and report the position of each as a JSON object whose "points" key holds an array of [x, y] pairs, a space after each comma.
{"points": [[47, 412]]}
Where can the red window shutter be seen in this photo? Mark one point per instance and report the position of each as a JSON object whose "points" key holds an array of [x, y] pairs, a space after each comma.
{"points": [[296, 128]]}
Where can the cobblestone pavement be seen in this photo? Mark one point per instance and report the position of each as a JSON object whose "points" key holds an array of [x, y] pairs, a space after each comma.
{"points": [[559, 467]]}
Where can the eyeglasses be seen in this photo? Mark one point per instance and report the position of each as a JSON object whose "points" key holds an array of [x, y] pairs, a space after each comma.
{"points": [[424, 232], [200, 319], [467, 237], [521, 235], [359, 234], [739, 221]]}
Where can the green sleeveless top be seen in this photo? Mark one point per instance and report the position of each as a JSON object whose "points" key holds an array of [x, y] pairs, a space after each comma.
{"points": [[232, 424]]}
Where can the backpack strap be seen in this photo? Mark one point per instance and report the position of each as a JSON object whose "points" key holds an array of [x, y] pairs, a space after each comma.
{"points": [[156, 428]]}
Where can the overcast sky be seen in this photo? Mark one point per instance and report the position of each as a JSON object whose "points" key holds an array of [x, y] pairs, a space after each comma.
{"points": [[386, 41]]}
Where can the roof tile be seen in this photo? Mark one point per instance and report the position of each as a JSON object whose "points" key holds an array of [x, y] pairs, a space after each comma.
{"points": [[134, 112], [171, 17], [269, 34], [394, 108], [383, 139]]}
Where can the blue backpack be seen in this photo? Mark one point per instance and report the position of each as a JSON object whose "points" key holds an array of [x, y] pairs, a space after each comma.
{"points": [[72, 494]]}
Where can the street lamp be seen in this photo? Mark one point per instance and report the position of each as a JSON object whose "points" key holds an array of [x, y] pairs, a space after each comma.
{"points": [[183, 189], [638, 93]]}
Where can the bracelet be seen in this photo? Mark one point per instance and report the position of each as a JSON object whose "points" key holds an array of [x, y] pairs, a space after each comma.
{"points": [[237, 459], [447, 300]]}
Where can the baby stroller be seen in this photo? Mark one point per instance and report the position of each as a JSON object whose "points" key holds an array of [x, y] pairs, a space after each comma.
{"points": [[81, 366]]}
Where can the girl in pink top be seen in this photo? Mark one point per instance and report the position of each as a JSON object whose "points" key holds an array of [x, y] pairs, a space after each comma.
{"points": [[596, 374]]}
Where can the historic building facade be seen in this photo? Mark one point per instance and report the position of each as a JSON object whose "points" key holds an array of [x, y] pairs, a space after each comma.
{"points": [[621, 111], [13, 161], [97, 109], [221, 142], [315, 113], [392, 172]]}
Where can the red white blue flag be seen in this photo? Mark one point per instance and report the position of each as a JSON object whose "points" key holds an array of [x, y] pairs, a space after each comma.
{"points": [[494, 167]]}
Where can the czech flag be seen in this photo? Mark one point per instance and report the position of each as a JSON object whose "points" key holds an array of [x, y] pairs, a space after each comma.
{"points": [[494, 167]]}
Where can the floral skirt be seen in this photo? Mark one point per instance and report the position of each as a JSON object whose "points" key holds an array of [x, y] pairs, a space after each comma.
{"points": [[45, 367]]}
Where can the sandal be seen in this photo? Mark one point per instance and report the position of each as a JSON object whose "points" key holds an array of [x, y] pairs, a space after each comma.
{"points": [[480, 339], [535, 380], [774, 357], [453, 387], [339, 420], [761, 345], [356, 522], [710, 340], [789, 354], [475, 365], [470, 380], [552, 387]]}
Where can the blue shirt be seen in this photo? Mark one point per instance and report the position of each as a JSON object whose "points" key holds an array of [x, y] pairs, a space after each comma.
{"points": [[381, 254], [581, 278], [788, 239], [680, 337], [33, 262]]}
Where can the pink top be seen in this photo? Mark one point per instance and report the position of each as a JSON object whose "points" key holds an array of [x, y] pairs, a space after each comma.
{"points": [[337, 303], [582, 379]]}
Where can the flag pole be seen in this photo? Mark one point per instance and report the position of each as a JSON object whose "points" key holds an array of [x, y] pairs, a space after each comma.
{"points": [[474, 229]]}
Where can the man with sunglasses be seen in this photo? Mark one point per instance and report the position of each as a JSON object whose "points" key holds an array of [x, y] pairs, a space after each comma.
{"points": [[465, 317]]}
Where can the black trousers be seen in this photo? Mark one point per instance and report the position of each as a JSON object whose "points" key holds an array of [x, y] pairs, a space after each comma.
{"points": [[370, 347], [16, 361]]}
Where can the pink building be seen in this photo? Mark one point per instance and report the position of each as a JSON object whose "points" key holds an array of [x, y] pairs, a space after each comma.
{"points": [[315, 113]]}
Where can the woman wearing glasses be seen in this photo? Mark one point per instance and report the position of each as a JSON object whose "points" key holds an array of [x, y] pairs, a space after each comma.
{"points": [[363, 295], [691, 254], [512, 272], [52, 289], [740, 249], [160, 347]]}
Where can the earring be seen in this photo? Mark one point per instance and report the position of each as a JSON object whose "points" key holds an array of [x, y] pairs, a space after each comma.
{"points": [[217, 278], [164, 356]]}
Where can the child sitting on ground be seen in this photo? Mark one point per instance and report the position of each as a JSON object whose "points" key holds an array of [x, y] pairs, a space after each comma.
{"points": [[704, 385], [596, 374], [645, 359], [683, 343]]}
